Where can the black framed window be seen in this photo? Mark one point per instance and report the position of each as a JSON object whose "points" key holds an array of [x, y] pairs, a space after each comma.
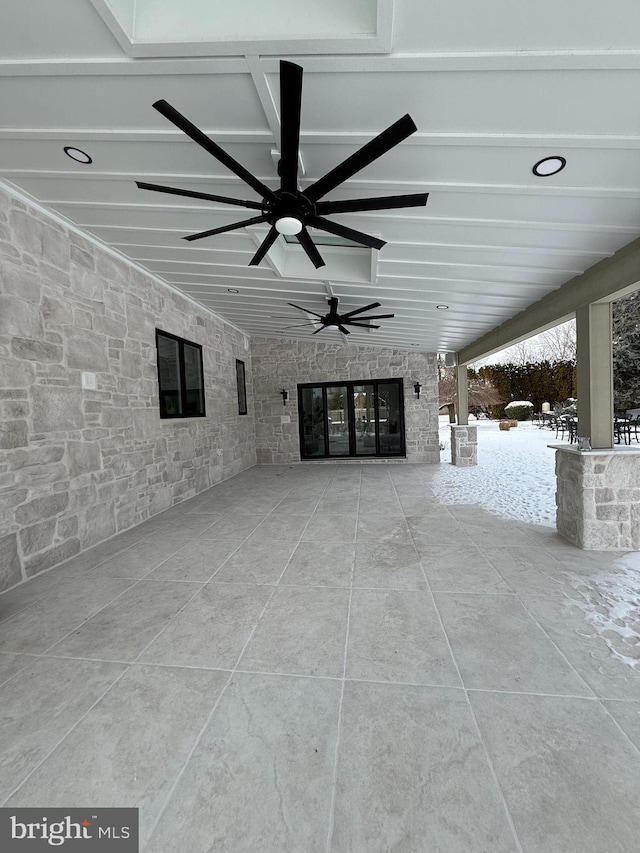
{"points": [[241, 382], [180, 377], [351, 419]]}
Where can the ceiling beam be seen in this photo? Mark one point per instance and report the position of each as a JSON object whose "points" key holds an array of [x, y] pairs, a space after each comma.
{"points": [[609, 279]]}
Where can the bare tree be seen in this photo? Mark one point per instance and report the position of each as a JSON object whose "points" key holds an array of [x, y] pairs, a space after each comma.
{"points": [[559, 343]]}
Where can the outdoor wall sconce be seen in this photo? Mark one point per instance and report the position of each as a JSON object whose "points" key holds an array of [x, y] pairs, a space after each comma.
{"points": [[285, 397], [417, 388]]}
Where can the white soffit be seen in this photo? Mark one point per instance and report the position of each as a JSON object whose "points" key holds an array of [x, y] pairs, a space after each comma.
{"points": [[145, 28]]}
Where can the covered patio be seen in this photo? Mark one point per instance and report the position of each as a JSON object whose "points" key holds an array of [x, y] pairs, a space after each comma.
{"points": [[232, 593], [311, 658]]}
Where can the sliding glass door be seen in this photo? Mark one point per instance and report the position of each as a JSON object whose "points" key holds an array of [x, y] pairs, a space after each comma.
{"points": [[353, 419]]}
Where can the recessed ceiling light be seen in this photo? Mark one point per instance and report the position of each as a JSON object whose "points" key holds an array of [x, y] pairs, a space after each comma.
{"points": [[232, 290], [549, 166], [77, 155], [415, 345], [442, 307]]}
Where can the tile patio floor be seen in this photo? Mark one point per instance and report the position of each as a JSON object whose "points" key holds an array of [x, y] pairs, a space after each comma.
{"points": [[323, 657]]}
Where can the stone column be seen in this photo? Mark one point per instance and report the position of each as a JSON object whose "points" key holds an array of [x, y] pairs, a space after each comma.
{"points": [[598, 498], [462, 395], [464, 445], [595, 374]]}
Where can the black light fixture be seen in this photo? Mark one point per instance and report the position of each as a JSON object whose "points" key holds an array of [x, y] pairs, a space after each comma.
{"points": [[442, 307], [285, 397], [77, 155], [549, 166], [417, 388], [232, 290]]}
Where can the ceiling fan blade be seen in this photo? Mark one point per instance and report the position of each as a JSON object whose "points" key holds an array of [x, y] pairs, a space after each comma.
{"points": [[376, 317], [343, 329], [255, 205], [212, 148], [343, 231], [378, 146], [224, 228], [362, 325], [310, 248], [318, 330], [264, 247], [290, 106], [306, 310], [387, 202], [361, 310], [298, 326]]}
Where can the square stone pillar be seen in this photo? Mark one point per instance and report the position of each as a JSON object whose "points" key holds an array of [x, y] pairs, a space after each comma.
{"points": [[464, 445], [598, 498], [462, 395]]}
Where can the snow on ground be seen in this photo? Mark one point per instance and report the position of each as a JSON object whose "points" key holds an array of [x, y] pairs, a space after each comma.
{"points": [[514, 477]]}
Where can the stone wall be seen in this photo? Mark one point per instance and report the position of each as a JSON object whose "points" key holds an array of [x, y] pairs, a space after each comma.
{"points": [[279, 364], [78, 466], [598, 498]]}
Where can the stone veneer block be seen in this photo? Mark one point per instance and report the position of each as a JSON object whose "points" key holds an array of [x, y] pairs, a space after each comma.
{"points": [[464, 445], [597, 498]]}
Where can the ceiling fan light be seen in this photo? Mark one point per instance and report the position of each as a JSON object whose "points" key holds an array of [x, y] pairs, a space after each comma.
{"points": [[288, 225]]}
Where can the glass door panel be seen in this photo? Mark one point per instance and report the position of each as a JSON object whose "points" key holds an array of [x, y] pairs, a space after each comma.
{"points": [[365, 419], [338, 420], [312, 416], [390, 419]]}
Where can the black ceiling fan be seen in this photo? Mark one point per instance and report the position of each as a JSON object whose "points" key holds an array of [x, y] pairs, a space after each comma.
{"points": [[288, 210], [341, 321]]}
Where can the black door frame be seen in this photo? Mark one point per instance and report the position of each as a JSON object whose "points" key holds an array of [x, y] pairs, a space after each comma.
{"points": [[350, 384]]}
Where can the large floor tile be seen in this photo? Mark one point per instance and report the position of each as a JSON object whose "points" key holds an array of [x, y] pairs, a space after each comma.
{"points": [[530, 571], [321, 564], [413, 776], [388, 564], [382, 527], [197, 561], [587, 633], [123, 629], [255, 562], [50, 619], [496, 533], [330, 527], [235, 525], [40, 707], [138, 560], [25, 594], [461, 568], [212, 629], [499, 646], [569, 776], [115, 757], [12, 664], [627, 716], [302, 631], [261, 777], [396, 636]]}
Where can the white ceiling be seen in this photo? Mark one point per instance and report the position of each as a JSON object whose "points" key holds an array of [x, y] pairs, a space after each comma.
{"points": [[493, 87]]}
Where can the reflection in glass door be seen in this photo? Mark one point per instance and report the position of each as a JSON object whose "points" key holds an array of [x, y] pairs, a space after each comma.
{"points": [[312, 422], [352, 419], [366, 421], [338, 420]]}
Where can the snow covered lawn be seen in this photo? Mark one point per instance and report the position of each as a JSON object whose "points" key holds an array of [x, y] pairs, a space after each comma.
{"points": [[515, 475]]}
